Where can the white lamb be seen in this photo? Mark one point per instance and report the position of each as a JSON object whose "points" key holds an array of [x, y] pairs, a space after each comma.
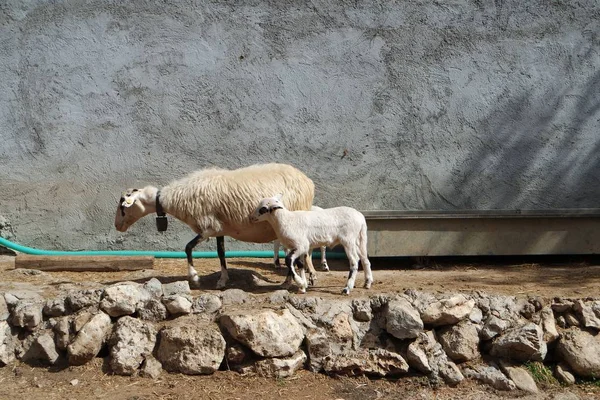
{"points": [[300, 231], [324, 265], [216, 203]]}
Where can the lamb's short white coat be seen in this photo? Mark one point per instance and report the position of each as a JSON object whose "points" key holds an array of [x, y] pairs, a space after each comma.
{"points": [[300, 231]]}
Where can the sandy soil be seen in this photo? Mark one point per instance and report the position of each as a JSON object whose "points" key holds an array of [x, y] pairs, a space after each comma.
{"points": [[546, 277]]}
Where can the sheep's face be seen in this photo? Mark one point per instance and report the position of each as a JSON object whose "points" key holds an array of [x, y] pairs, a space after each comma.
{"points": [[265, 208], [129, 210]]}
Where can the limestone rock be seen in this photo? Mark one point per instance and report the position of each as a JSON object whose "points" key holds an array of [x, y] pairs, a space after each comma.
{"points": [[267, 333], [27, 296], [207, 304], [77, 300], [3, 309], [377, 362], [402, 319], [237, 354], [191, 346], [279, 296], [548, 325], [520, 377], [7, 344], [80, 319], [571, 320], [562, 306], [280, 367], [362, 310], [151, 368], [133, 340], [493, 327], [43, 349], [27, 314], [524, 343], [152, 310], [55, 307], [425, 354], [180, 288], [448, 311], [235, 296], [460, 341], [564, 376], [122, 299], [154, 288], [581, 351], [590, 313], [62, 333], [89, 339], [177, 305], [490, 375]]}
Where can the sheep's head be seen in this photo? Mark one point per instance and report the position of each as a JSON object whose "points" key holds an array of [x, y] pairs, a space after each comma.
{"points": [[266, 207], [133, 205]]}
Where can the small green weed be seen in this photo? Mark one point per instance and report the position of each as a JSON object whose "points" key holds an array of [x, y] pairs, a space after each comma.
{"points": [[541, 373]]}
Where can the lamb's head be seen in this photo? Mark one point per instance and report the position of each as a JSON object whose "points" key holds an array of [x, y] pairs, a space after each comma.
{"points": [[133, 205], [266, 207]]}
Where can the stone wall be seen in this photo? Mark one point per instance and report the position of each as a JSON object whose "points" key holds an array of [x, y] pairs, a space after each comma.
{"points": [[147, 328], [405, 105]]}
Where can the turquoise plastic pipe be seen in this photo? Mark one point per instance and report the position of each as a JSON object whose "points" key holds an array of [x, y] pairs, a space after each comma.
{"points": [[157, 254]]}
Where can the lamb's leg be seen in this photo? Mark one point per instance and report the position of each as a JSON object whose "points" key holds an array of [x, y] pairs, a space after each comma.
{"points": [[353, 260], [221, 252], [276, 261], [324, 265], [290, 260], [311, 268], [192, 274], [364, 259]]}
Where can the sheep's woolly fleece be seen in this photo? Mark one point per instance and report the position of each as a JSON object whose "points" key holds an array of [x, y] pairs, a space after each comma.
{"points": [[232, 195]]}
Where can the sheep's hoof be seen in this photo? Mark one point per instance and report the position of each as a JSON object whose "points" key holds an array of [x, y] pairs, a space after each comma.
{"points": [[221, 284], [346, 291], [312, 279], [301, 290], [194, 281], [325, 267], [367, 285], [277, 264]]}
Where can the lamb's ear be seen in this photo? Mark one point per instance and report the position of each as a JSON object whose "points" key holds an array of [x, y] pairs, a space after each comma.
{"points": [[279, 196]]}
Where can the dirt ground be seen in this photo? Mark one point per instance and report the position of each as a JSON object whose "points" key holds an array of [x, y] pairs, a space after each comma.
{"points": [[547, 277]]}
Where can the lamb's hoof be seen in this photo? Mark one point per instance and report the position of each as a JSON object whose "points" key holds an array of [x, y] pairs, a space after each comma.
{"points": [[277, 264], [346, 291], [367, 285], [301, 290], [325, 267], [312, 279]]}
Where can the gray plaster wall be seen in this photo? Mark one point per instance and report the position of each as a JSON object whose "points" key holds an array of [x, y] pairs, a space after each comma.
{"points": [[407, 105]]}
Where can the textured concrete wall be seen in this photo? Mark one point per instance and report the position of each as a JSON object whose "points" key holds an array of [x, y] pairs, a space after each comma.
{"points": [[386, 105]]}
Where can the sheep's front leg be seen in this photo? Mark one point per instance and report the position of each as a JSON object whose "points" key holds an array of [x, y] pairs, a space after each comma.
{"points": [[192, 274], [221, 252]]}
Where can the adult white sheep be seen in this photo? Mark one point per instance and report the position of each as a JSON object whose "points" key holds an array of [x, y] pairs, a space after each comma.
{"points": [[324, 265], [217, 202], [300, 231]]}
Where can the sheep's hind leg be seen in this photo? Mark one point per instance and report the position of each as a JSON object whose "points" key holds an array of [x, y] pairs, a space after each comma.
{"points": [[324, 265], [221, 252], [192, 274]]}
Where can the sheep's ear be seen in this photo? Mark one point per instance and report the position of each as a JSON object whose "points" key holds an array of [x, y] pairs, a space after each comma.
{"points": [[130, 198], [279, 196]]}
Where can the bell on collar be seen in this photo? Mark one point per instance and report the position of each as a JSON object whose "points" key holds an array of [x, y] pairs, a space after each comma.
{"points": [[161, 223]]}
